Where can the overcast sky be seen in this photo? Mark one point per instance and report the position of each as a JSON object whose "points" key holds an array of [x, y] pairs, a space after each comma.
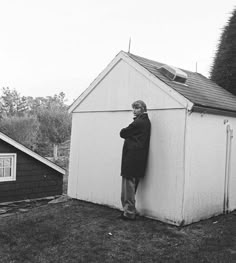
{"points": [[49, 46]]}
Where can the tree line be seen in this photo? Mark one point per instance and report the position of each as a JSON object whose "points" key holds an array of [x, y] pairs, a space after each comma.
{"points": [[223, 70], [40, 123]]}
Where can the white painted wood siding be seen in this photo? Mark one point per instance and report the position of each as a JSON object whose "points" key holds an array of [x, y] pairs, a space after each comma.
{"points": [[96, 160], [160, 194], [205, 166], [94, 173], [232, 172], [123, 85]]}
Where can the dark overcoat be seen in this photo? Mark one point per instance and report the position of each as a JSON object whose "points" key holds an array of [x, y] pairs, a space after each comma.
{"points": [[136, 146]]}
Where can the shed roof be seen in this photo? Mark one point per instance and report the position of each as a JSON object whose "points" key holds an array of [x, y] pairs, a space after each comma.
{"points": [[26, 150], [201, 91]]}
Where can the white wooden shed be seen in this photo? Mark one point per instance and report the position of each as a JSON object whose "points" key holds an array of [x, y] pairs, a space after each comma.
{"points": [[191, 173]]}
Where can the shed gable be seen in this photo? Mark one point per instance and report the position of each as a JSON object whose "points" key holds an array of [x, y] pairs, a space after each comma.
{"points": [[124, 84]]}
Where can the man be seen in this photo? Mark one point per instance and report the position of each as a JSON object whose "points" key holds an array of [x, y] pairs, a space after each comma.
{"points": [[134, 157]]}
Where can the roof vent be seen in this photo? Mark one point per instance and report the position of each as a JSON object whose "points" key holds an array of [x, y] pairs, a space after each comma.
{"points": [[173, 73]]}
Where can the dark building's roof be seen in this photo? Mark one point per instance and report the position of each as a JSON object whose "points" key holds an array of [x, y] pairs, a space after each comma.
{"points": [[29, 152], [201, 91]]}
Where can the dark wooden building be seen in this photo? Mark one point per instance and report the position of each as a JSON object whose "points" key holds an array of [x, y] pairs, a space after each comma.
{"points": [[26, 175]]}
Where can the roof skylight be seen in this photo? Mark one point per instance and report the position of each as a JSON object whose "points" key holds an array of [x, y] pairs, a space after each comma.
{"points": [[174, 74]]}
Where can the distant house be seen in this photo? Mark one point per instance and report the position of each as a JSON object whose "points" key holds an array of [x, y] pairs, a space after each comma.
{"points": [[25, 174], [191, 173]]}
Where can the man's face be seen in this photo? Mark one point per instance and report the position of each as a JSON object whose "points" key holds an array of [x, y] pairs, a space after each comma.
{"points": [[137, 111]]}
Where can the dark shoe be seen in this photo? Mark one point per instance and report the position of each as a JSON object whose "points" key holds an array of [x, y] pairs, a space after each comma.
{"points": [[123, 217]]}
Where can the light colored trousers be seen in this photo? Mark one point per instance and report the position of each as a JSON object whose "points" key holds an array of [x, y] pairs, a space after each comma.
{"points": [[128, 190]]}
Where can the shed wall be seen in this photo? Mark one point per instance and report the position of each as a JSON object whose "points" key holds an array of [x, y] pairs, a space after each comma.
{"points": [[96, 160], [232, 172], [33, 179], [206, 166]]}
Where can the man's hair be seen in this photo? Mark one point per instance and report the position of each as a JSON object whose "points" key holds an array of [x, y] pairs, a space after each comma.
{"points": [[139, 104]]}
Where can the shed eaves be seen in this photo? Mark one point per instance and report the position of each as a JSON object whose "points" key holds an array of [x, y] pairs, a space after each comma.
{"points": [[198, 89]]}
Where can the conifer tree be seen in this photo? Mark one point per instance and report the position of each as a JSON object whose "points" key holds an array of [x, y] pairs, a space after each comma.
{"points": [[223, 71]]}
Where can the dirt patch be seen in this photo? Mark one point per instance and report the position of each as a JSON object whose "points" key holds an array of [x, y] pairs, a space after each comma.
{"points": [[9, 208]]}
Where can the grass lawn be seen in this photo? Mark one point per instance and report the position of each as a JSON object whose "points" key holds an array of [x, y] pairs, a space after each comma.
{"points": [[76, 231]]}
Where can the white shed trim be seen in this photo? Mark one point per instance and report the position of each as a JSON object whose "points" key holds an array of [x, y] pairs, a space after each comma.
{"points": [[93, 85], [149, 110], [123, 56], [31, 153]]}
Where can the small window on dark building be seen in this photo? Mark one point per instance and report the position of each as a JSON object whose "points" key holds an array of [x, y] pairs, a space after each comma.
{"points": [[7, 167]]}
